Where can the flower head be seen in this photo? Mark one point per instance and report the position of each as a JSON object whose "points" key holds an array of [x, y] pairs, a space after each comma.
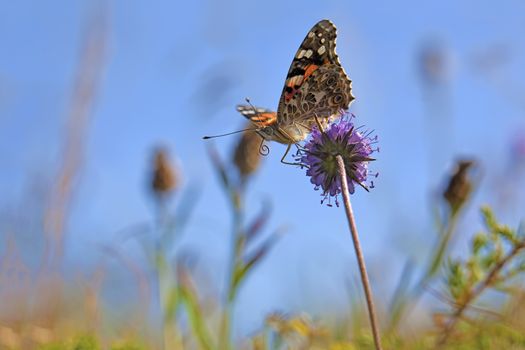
{"points": [[164, 178], [341, 138], [246, 156], [459, 185]]}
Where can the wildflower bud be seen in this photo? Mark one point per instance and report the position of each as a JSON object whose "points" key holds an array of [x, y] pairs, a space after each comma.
{"points": [[164, 177], [246, 156], [459, 186]]}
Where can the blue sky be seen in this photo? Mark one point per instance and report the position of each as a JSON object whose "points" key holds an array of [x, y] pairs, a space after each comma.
{"points": [[174, 72]]}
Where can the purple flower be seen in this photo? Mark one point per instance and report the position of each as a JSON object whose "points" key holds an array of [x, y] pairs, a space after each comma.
{"points": [[340, 138]]}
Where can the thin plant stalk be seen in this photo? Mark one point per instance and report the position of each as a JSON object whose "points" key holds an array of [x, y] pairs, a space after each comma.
{"points": [[359, 254], [226, 320], [166, 286], [160, 266], [433, 267]]}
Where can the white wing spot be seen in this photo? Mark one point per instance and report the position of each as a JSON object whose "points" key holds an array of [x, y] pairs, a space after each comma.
{"points": [[321, 50], [301, 54], [296, 80], [323, 40], [311, 34], [308, 53], [320, 34]]}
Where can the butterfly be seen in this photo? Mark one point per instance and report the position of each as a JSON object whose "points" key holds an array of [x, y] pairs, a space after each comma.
{"points": [[316, 89]]}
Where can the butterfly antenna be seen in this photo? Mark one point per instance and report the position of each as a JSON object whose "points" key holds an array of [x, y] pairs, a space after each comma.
{"points": [[229, 133], [250, 103]]}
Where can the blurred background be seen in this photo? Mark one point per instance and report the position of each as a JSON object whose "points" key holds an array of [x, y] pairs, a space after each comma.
{"points": [[92, 91]]}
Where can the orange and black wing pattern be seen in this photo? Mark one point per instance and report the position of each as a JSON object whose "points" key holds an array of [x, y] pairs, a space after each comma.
{"points": [[259, 116], [316, 81]]}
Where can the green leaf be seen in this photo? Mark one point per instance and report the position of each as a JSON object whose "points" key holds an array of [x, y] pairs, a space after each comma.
{"points": [[475, 271], [172, 304], [507, 233], [259, 222], [252, 259], [219, 167], [456, 279], [479, 242], [177, 223], [489, 219], [196, 316]]}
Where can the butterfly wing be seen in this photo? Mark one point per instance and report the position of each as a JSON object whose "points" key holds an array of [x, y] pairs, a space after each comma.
{"points": [[323, 95], [316, 83], [259, 116]]}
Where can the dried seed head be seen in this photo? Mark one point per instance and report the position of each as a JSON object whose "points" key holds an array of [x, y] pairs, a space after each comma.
{"points": [[164, 176], [459, 186], [246, 156]]}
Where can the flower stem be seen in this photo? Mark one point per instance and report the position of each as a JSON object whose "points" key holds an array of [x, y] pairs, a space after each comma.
{"points": [[358, 252], [436, 262], [160, 268], [236, 197]]}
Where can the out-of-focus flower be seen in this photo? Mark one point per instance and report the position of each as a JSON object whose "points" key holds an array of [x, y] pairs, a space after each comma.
{"points": [[434, 63], [492, 58], [341, 138], [518, 148], [164, 177], [246, 156], [459, 185]]}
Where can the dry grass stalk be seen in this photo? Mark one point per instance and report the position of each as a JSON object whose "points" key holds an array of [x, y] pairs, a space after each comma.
{"points": [[92, 61]]}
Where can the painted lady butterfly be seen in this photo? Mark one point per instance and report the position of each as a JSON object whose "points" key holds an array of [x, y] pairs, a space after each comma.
{"points": [[316, 87]]}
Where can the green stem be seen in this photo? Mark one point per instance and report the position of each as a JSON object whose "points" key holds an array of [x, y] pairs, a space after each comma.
{"points": [[358, 252], [160, 268], [432, 269], [225, 331], [443, 245], [226, 320]]}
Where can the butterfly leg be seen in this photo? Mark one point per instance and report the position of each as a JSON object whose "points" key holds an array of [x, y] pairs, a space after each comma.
{"points": [[299, 147], [319, 125], [285, 154]]}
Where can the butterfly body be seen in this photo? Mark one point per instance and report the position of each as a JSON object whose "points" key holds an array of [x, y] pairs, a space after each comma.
{"points": [[316, 89]]}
